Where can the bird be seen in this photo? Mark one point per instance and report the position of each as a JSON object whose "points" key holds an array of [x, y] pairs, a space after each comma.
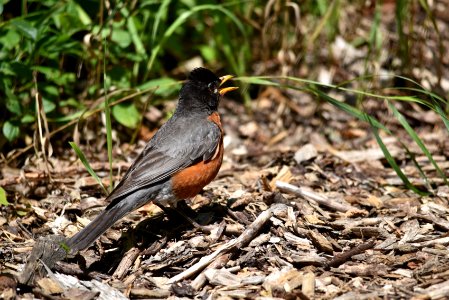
{"points": [[182, 157]]}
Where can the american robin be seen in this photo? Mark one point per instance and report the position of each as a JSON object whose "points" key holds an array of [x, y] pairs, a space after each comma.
{"points": [[183, 156]]}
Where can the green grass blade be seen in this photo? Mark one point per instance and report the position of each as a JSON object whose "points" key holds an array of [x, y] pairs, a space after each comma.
{"points": [[418, 141], [161, 13], [401, 15], [350, 110], [440, 111], [420, 170], [325, 20], [256, 80], [107, 111], [392, 162], [341, 87], [310, 86], [183, 18], [86, 164]]}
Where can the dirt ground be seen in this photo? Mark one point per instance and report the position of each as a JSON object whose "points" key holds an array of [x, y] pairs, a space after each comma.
{"points": [[303, 207]]}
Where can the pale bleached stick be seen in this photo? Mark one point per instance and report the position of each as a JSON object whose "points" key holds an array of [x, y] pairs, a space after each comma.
{"points": [[247, 235], [218, 263], [310, 195]]}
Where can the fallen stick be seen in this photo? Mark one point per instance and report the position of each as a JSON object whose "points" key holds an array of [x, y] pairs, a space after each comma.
{"points": [[125, 264], [345, 256], [201, 279], [310, 195], [244, 239]]}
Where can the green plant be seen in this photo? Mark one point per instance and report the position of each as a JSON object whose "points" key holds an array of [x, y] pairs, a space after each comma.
{"points": [[3, 200], [417, 95], [61, 42]]}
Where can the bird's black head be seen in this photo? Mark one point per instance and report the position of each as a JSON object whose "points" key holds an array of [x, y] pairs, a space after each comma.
{"points": [[202, 91]]}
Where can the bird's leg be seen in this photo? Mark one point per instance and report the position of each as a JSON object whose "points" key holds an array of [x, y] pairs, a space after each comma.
{"points": [[179, 210]]}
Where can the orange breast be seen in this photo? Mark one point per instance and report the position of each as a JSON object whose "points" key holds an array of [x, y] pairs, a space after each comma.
{"points": [[188, 183]]}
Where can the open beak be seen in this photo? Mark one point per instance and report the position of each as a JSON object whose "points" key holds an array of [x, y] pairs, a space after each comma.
{"points": [[223, 79]]}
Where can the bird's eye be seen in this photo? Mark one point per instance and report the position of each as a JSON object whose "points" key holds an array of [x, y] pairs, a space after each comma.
{"points": [[212, 87]]}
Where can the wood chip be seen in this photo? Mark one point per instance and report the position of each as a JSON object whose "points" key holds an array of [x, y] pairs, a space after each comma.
{"points": [[126, 263], [436, 291], [222, 277], [105, 291], [320, 199], [306, 152], [279, 280], [308, 285], [320, 241], [142, 293], [50, 286]]}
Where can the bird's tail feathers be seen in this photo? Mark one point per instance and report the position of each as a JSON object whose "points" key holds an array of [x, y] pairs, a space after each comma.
{"points": [[97, 227]]}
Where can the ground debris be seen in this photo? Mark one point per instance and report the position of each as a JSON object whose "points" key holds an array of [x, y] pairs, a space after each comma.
{"points": [[296, 212]]}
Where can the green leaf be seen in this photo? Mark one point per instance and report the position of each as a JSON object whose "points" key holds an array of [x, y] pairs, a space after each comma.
{"points": [[256, 80], [10, 131], [82, 15], [209, 53], [119, 77], [67, 118], [48, 104], [121, 37], [86, 164], [138, 44], [21, 70], [164, 86], [12, 102], [126, 114], [27, 119], [10, 39], [3, 200], [25, 27]]}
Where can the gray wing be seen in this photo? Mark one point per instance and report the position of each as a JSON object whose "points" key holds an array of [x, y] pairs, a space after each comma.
{"points": [[175, 146]]}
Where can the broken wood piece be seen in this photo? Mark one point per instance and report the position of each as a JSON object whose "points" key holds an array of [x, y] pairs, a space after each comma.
{"points": [[310, 195], [244, 239], [46, 252], [436, 291], [222, 277], [201, 279], [308, 285], [286, 279], [103, 290], [49, 286], [441, 241], [126, 263], [439, 222], [363, 269], [144, 293], [367, 232], [355, 156], [345, 256], [320, 241]]}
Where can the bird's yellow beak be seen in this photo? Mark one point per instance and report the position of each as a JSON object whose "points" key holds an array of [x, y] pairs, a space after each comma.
{"points": [[223, 79]]}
